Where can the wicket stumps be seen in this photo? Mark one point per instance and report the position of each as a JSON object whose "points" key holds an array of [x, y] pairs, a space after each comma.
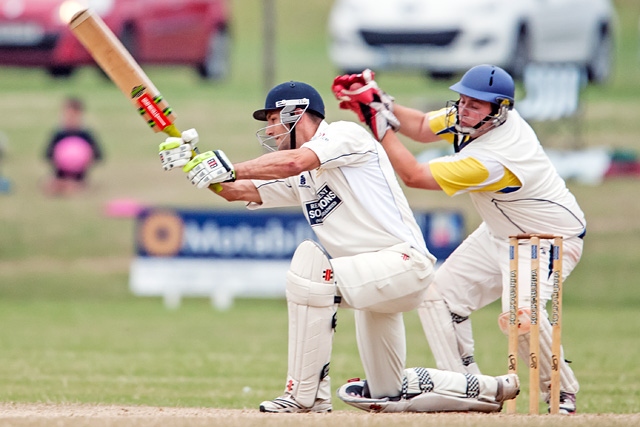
{"points": [[534, 337]]}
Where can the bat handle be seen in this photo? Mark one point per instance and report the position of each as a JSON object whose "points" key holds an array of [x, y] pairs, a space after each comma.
{"points": [[172, 130]]}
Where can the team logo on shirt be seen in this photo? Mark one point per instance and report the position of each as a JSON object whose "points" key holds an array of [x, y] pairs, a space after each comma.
{"points": [[303, 182], [319, 209]]}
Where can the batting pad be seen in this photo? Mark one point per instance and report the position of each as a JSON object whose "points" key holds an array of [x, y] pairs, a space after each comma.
{"points": [[437, 324], [568, 380], [311, 303], [428, 390]]}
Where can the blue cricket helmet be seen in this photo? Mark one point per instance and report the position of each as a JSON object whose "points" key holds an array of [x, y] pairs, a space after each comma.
{"points": [[291, 91], [487, 83]]}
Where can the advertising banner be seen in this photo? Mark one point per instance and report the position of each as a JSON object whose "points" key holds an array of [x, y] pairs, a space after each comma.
{"points": [[223, 254]]}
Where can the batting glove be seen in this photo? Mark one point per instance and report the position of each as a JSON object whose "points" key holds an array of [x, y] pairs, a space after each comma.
{"points": [[176, 152], [209, 168], [360, 93]]}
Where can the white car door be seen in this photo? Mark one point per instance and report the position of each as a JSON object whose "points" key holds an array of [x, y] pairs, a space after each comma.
{"points": [[562, 30]]}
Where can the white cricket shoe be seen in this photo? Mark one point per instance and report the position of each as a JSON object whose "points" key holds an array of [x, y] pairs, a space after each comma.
{"points": [[567, 403], [508, 387], [287, 404]]}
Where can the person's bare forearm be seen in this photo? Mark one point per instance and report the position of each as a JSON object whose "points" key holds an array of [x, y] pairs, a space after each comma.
{"points": [[413, 173], [243, 190], [414, 124], [279, 164]]}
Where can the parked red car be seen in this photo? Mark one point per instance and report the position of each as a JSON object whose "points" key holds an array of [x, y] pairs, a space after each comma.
{"points": [[34, 33]]}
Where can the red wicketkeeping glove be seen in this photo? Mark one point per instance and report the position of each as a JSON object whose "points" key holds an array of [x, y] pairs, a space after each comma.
{"points": [[360, 93]]}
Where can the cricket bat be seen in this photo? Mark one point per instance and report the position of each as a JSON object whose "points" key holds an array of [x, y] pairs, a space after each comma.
{"points": [[125, 72]]}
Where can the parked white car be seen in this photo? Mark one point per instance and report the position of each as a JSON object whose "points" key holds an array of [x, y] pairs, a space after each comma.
{"points": [[444, 38]]}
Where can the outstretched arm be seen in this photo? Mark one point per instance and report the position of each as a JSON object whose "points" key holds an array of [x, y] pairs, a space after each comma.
{"points": [[279, 164], [410, 171], [360, 93], [215, 171], [243, 190], [414, 124]]}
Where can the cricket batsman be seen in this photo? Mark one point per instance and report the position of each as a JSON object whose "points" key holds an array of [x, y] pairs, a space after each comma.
{"points": [[370, 257]]}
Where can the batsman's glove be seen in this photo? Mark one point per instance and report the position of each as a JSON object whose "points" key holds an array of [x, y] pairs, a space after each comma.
{"points": [[360, 93], [176, 152], [209, 168]]}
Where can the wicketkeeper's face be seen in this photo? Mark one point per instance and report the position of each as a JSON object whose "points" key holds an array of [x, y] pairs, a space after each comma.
{"points": [[472, 111]]}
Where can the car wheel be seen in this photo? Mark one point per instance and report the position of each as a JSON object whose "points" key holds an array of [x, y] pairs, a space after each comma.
{"points": [[599, 67], [60, 71], [216, 63], [521, 54], [352, 71]]}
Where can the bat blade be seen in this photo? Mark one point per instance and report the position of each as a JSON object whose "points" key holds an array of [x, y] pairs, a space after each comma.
{"points": [[114, 59]]}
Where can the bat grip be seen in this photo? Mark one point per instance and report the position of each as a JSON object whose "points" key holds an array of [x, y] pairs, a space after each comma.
{"points": [[172, 130]]}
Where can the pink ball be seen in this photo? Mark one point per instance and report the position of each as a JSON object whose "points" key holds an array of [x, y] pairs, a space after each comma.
{"points": [[72, 154]]}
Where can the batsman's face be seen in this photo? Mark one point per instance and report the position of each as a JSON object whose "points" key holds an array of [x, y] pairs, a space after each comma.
{"points": [[280, 133], [472, 111]]}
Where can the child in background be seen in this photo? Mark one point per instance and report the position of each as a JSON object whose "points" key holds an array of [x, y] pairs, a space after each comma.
{"points": [[71, 151]]}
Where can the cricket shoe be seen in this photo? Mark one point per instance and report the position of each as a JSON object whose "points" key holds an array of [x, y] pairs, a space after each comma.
{"points": [[287, 404], [356, 393], [567, 403], [508, 387]]}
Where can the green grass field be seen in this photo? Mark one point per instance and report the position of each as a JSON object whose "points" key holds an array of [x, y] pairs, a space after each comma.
{"points": [[70, 331]]}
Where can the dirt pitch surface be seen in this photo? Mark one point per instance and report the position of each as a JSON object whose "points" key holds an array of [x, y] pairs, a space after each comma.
{"points": [[72, 415]]}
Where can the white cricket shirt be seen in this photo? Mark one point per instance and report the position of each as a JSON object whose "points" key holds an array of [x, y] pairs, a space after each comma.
{"points": [[353, 201], [512, 183]]}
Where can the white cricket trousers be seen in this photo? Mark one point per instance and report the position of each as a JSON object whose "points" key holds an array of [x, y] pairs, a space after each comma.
{"points": [[380, 286], [477, 272]]}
